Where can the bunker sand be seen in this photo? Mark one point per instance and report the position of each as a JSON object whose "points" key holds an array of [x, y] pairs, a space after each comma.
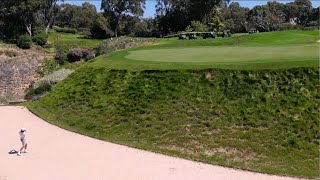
{"points": [[55, 153]]}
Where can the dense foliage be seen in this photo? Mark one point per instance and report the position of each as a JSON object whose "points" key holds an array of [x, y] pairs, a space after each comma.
{"points": [[40, 39], [24, 42], [124, 17], [173, 16]]}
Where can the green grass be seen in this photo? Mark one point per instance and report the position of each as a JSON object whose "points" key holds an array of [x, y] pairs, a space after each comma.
{"points": [[227, 54], [262, 118], [274, 50], [67, 40]]}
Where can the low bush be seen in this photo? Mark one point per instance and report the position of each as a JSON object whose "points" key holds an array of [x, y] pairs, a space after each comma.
{"points": [[42, 89], [311, 28], [84, 31], [65, 30], [24, 42], [110, 45], [74, 55], [87, 54], [48, 66], [40, 39], [61, 55], [53, 78]]}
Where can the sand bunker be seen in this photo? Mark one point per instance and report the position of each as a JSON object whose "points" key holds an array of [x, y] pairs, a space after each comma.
{"points": [[55, 153]]}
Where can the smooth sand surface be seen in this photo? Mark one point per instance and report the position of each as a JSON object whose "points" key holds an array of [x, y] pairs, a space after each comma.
{"points": [[58, 154]]}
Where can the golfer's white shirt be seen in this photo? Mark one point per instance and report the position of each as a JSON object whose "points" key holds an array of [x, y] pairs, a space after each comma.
{"points": [[22, 135]]}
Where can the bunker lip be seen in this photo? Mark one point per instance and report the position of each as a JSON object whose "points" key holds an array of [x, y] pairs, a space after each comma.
{"points": [[55, 153]]}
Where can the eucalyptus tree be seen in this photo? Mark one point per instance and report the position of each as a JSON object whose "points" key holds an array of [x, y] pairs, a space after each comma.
{"points": [[117, 8], [176, 15], [19, 16]]}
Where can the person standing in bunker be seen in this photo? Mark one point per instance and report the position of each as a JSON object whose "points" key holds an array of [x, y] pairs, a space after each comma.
{"points": [[23, 140]]}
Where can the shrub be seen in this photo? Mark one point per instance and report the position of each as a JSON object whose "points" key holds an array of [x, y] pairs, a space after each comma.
{"points": [[74, 55], [40, 39], [24, 42], [53, 78], [87, 54], [61, 56], [313, 23], [43, 88], [288, 26], [311, 28], [100, 30], [84, 31], [109, 45], [196, 26], [65, 30]]}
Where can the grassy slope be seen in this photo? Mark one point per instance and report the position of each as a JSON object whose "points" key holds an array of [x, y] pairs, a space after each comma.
{"points": [[261, 120], [67, 40]]}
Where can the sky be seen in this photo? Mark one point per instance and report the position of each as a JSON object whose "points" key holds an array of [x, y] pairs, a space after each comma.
{"points": [[150, 4]]}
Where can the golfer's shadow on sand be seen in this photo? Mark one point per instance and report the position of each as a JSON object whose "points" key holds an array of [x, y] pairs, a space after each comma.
{"points": [[13, 152]]}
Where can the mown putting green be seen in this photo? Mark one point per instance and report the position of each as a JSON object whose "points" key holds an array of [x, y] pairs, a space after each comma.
{"points": [[227, 54], [273, 50]]}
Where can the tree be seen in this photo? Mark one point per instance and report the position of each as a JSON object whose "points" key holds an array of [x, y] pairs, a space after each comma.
{"points": [[259, 17], [216, 20], [116, 8], [197, 26], [73, 16], [176, 15], [239, 16], [100, 29], [314, 17], [19, 16], [299, 10]]}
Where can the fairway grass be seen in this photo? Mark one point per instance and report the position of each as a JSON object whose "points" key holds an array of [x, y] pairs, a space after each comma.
{"points": [[67, 40]]}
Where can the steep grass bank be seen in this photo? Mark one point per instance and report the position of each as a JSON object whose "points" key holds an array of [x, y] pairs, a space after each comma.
{"points": [[264, 120]]}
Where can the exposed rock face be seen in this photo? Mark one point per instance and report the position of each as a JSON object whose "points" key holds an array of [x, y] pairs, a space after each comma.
{"points": [[17, 71]]}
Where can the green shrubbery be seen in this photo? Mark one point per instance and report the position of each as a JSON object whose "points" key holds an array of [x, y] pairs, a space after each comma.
{"points": [[24, 42], [40, 39], [53, 78], [61, 55], [110, 45], [76, 54], [65, 30], [35, 93]]}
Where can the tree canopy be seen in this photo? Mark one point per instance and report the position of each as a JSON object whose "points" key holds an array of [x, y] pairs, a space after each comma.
{"points": [[124, 17], [116, 8]]}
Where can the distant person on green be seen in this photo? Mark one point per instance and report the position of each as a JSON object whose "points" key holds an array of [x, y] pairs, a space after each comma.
{"points": [[23, 140]]}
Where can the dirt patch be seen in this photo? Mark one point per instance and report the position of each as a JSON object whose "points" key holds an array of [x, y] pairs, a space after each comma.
{"points": [[18, 70]]}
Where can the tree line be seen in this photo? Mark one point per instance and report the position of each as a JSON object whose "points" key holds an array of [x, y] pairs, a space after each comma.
{"points": [[124, 17]]}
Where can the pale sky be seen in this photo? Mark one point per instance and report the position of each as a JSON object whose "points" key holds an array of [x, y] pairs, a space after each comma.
{"points": [[150, 4]]}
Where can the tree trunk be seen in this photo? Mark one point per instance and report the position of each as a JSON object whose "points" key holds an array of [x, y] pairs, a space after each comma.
{"points": [[50, 15], [117, 25], [47, 28], [29, 29]]}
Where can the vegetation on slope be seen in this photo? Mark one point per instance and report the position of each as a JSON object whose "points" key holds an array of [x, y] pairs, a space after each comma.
{"points": [[259, 120]]}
